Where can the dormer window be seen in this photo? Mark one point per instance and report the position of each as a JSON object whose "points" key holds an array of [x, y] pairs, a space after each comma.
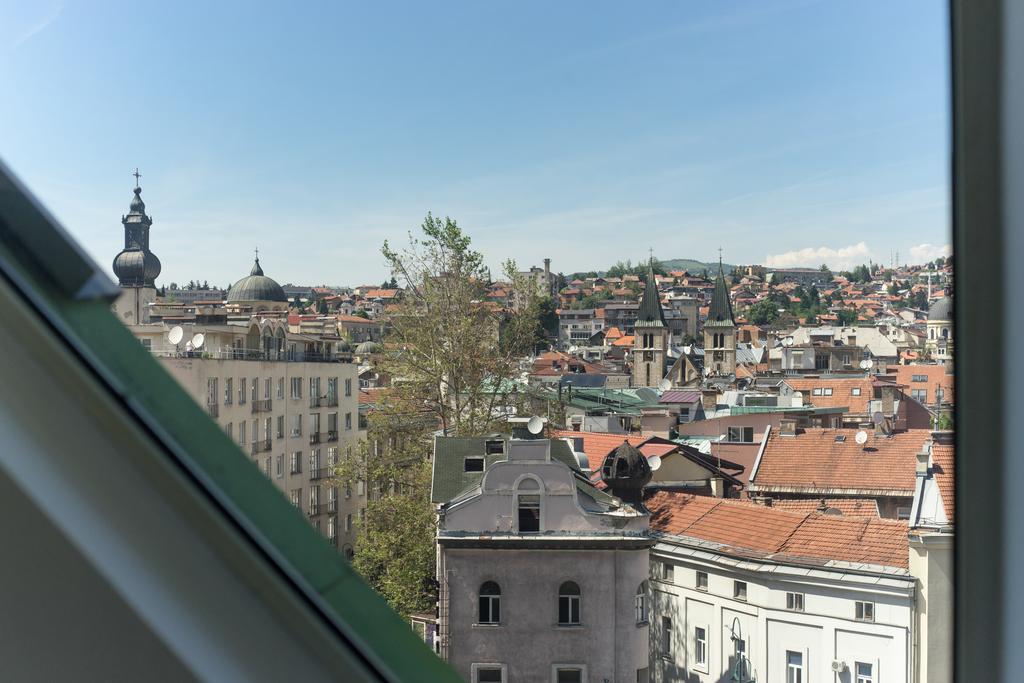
{"points": [[475, 464], [494, 447], [528, 506]]}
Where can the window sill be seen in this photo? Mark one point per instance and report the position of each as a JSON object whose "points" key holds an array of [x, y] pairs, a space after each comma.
{"points": [[570, 627], [498, 625], [642, 624]]}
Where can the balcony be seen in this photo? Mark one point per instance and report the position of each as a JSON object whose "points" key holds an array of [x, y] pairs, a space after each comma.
{"points": [[332, 435], [314, 438], [256, 355], [261, 446], [264, 406], [327, 508], [319, 473], [213, 410]]}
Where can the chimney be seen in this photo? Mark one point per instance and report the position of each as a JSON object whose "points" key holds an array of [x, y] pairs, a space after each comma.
{"points": [[709, 399], [888, 400], [547, 273], [717, 487], [923, 458]]}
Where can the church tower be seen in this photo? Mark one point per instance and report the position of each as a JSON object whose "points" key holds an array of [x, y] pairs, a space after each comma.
{"points": [[720, 330], [136, 267], [650, 340]]}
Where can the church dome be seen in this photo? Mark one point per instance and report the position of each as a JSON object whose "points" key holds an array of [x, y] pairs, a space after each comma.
{"points": [[626, 472], [942, 309], [367, 347], [136, 268], [256, 287]]}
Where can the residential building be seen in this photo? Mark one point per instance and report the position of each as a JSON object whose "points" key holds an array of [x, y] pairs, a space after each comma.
{"points": [[543, 577], [939, 342]]}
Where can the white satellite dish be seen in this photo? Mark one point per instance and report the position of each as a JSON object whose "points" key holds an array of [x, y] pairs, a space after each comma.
{"points": [[535, 425], [788, 341], [869, 363], [862, 437], [863, 365], [655, 462], [687, 350], [665, 384], [197, 340], [175, 335]]}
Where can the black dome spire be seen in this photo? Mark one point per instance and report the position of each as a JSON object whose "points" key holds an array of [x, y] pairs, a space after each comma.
{"points": [[136, 265], [626, 472]]}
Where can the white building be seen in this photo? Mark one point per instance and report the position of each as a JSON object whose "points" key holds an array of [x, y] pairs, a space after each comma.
{"points": [[799, 597]]}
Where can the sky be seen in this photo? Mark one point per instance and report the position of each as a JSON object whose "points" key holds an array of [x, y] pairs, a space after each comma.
{"points": [[788, 133]]}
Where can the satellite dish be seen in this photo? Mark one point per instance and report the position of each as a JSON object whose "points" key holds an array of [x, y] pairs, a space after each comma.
{"points": [[788, 341], [732, 376], [878, 417], [687, 350], [665, 384], [175, 335], [863, 365], [535, 425], [869, 363], [862, 437], [197, 340], [655, 462]]}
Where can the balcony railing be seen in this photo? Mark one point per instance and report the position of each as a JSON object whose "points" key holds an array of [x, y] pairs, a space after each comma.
{"points": [[256, 354], [261, 446], [327, 508], [314, 438], [321, 473], [263, 406], [332, 435], [213, 410]]}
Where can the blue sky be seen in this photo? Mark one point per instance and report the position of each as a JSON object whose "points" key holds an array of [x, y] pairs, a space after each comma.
{"points": [[785, 132]]}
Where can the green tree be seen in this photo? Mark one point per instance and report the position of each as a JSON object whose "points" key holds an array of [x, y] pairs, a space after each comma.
{"points": [[847, 316], [763, 312]]}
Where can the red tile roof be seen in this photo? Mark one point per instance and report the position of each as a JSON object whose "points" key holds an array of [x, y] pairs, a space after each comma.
{"points": [[850, 507], [813, 461], [943, 472], [597, 445], [842, 392], [755, 530]]}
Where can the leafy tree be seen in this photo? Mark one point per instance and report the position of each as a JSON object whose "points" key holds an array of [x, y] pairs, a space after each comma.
{"points": [[361, 314], [763, 312], [847, 316], [321, 306], [918, 300], [206, 285], [457, 359]]}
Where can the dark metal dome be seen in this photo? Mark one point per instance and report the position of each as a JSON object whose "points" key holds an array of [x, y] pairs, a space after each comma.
{"points": [[256, 287], [136, 265], [626, 472], [942, 309]]}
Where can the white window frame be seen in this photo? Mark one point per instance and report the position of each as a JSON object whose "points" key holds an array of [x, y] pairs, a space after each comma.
{"points": [[665, 639], [701, 647], [736, 590], [795, 602], [800, 669], [871, 677], [640, 604], [855, 391], [668, 572], [864, 610], [475, 668], [697, 581], [571, 602]]}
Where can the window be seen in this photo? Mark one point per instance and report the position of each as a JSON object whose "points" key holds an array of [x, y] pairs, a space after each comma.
{"points": [[920, 395], [570, 674], [795, 602], [475, 464], [864, 672], [255, 389], [666, 637], [739, 590], [794, 667], [490, 603], [702, 581], [280, 466], [314, 461], [348, 522], [486, 673], [668, 572], [348, 421], [816, 391], [640, 603], [296, 387], [314, 499], [280, 426], [919, 378], [529, 513], [865, 611], [700, 648], [496, 447], [314, 387], [242, 390], [348, 387], [266, 388], [360, 487], [280, 387], [827, 391], [229, 430], [296, 463], [741, 434], [241, 433], [229, 390], [268, 465], [569, 604], [296, 497], [297, 425], [855, 391]]}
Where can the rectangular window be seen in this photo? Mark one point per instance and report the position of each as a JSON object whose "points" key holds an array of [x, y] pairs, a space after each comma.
{"points": [[569, 675], [314, 461], [700, 650], [280, 387], [297, 425], [255, 389], [794, 667], [827, 391], [242, 390], [229, 390], [314, 387], [855, 391], [795, 602], [266, 388], [280, 426], [741, 434], [348, 422], [241, 433], [919, 378], [666, 637], [268, 465], [495, 447], [865, 611], [296, 497], [473, 465], [314, 499], [529, 513], [702, 581], [489, 674], [920, 395], [348, 387], [568, 610], [229, 430], [348, 522], [739, 590], [668, 572], [865, 672], [296, 463], [296, 387], [280, 466]]}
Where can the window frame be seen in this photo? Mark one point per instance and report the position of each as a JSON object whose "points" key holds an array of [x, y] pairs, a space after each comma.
{"points": [[697, 584], [475, 668], [864, 610], [701, 647], [795, 601], [665, 641], [799, 668], [566, 666], [572, 602], [739, 593], [640, 606], [493, 602]]}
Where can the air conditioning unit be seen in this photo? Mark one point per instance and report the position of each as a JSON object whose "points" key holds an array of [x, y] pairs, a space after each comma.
{"points": [[838, 667]]}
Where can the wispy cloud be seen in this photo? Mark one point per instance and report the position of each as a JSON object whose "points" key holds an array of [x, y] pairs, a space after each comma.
{"points": [[38, 27], [810, 257], [922, 253]]}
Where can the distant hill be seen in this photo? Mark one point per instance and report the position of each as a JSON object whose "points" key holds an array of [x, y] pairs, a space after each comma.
{"points": [[695, 267]]}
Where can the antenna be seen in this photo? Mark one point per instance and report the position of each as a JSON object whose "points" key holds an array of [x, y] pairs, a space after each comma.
{"points": [[535, 425], [665, 384], [197, 340], [175, 335], [655, 462], [862, 437]]}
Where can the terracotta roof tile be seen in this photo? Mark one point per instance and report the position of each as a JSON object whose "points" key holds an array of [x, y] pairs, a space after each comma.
{"points": [[815, 461], [943, 472], [850, 507], [750, 529], [597, 445]]}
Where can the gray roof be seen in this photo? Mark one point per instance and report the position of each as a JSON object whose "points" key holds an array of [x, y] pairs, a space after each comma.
{"points": [[450, 478], [256, 287], [942, 309]]}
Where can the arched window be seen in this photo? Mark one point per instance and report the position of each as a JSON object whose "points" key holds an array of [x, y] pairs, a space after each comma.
{"points": [[945, 333], [528, 506], [490, 603], [568, 604], [641, 603], [931, 333]]}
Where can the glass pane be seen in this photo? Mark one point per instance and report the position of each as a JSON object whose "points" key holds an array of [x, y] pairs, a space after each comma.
{"points": [[570, 676], [488, 675]]}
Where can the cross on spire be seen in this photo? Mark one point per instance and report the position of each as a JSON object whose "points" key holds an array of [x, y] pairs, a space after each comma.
{"points": [[257, 253], [137, 176], [719, 256]]}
